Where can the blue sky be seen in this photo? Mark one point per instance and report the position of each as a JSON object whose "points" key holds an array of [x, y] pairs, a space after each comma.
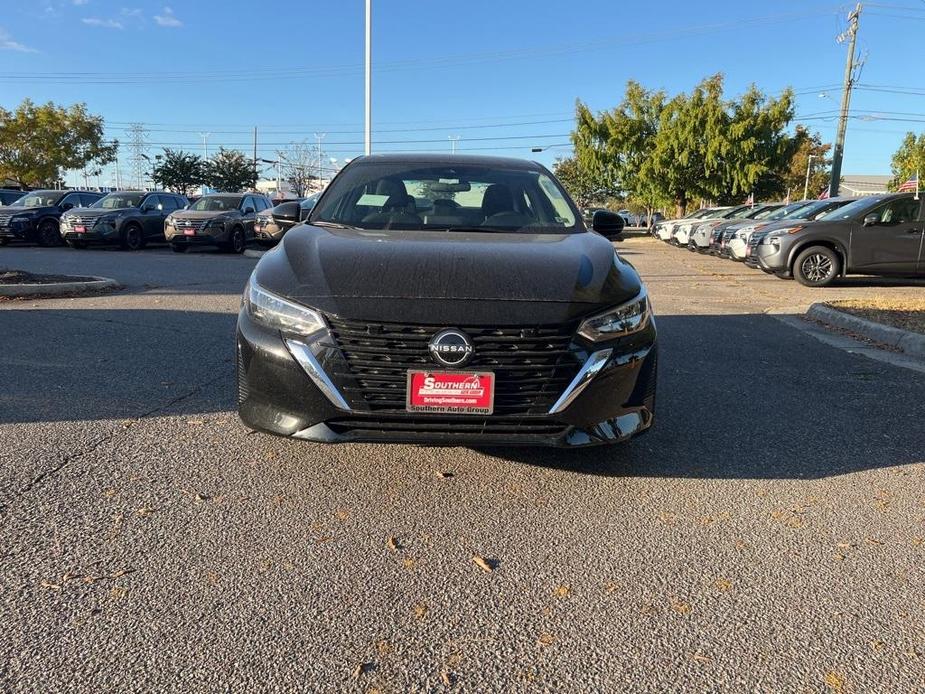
{"points": [[501, 75]]}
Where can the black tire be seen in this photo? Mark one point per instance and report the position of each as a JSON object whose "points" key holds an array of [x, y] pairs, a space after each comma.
{"points": [[816, 266], [237, 242], [177, 248], [132, 239], [3, 242], [77, 244], [48, 234]]}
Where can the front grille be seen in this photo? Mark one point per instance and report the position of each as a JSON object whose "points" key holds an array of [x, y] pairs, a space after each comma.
{"points": [[384, 426], [532, 365], [74, 220], [5, 220], [194, 225]]}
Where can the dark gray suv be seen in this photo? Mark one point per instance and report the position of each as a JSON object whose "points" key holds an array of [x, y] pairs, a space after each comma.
{"points": [[876, 235], [127, 218]]}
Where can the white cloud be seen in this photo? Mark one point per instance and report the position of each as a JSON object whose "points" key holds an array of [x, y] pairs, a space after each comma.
{"points": [[8, 44], [104, 23], [130, 12], [167, 19], [80, 2]]}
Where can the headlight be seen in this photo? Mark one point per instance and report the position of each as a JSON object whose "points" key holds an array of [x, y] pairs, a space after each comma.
{"points": [[770, 240], [789, 230], [217, 222], [169, 221], [277, 313], [108, 219], [20, 218], [627, 319]]}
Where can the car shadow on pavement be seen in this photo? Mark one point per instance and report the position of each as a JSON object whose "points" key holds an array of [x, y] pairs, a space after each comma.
{"points": [[740, 396], [748, 397]]}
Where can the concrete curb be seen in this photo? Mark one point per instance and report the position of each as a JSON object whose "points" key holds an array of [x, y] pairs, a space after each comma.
{"points": [[19, 291], [908, 342], [253, 253]]}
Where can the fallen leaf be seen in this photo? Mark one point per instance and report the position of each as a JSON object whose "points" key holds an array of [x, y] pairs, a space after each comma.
{"points": [[482, 563], [122, 572], [145, 511], [383, 647], [393, 544], [872, 541], [700, 658], [202, 497], [342, 514], [680, 606], [109, 493], [562, 591], [420, 610], [118, 592], [49, 584], [408, 563], [611, 587], [361, 669], [545, 639], [446, 678], [723, 584], [195, 422], [835, 682], [445, 474], [877, 645]]}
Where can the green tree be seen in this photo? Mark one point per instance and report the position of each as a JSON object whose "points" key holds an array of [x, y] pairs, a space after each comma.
{"points": [[908, 160], [178, 171], [229, 171], [39, 143], [795, 177], [578, 183]]}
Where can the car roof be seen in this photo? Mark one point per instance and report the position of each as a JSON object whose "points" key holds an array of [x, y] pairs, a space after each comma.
{"points": [[449, 159]]}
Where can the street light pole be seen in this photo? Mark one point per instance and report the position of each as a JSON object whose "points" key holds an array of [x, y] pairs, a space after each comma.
{"points": [[319, 138], [809, 168], [369, 76]]}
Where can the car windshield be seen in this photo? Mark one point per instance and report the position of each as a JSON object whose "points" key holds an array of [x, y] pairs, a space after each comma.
{"points": [[450, 197], [767, 212], [116, 201], [853, 209], [809, 210], [215, 204], [792, 211], [40, 199], [740, 212]]}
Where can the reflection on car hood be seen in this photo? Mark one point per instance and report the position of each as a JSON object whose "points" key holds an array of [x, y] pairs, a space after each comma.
{"points": [[91, 212], [16, 209], [448, 278], [200, 214]]}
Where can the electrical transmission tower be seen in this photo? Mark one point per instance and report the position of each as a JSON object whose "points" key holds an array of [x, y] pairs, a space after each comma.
{"points": [[138, 145]]}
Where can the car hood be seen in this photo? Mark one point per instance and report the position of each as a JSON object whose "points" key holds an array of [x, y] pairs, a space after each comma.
{"points": [[16, 209], [93, 212], [201, 214], [432, 277]]}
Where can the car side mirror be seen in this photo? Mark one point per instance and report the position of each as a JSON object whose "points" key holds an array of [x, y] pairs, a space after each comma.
{"points": [[608, 224], [871, 219], [303, 214], [67, 206], [248, 210]]}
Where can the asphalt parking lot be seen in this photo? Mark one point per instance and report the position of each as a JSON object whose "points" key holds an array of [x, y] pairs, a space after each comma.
{"points": [[767, 535]]}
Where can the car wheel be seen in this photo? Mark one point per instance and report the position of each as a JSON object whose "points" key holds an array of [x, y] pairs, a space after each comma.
{"points": [[816, 266], [3, 242], [177, 248], [77, 244], [237, 240], [48, 233], [132, 238]]}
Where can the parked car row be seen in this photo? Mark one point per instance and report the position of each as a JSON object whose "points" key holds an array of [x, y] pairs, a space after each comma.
{"points": [[812, 241], [132, 219]]}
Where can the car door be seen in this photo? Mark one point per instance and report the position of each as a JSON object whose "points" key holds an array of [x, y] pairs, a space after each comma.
{"points": [[168, 204], [151, 214], [248, 215], [70, 201], [888, 239]]}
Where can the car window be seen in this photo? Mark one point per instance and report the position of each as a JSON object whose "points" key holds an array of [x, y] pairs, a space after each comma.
{"points": [[422, 195], [117, 201], [72, 199], [87, 199], [169, 203], [899, 211], [216, 204], [246, 202]]}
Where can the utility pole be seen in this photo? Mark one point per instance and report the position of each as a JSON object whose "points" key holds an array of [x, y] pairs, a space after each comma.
{"points": [[369, 77], [319, 138], [838, 153], [256, 174], [205, 145], [809, 167]]}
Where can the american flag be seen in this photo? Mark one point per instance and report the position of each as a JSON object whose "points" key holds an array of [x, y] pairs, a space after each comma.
{"points": [[824, 195], [912, 185]]}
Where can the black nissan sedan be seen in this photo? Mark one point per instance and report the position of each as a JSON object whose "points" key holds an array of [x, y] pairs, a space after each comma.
{"points": [[447, 300]]}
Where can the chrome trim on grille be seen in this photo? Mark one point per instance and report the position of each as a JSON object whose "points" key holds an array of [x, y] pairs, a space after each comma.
{"points": [[590, 369], [310, 365]]}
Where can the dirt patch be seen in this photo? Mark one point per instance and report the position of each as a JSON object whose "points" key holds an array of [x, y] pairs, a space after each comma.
{"points": [[899, 312], [20, 277]]}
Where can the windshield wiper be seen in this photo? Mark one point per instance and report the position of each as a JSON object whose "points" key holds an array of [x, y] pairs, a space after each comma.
{"points": [[500, 230], [333, 225]]}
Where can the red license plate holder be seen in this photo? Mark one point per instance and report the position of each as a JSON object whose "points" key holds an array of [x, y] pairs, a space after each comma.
{"points": [[450, 392], [80, 229]]}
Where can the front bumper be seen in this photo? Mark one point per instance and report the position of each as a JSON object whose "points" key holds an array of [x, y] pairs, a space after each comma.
{"points": [[771, 258], [209, 236], [21, 231], [282, 391]]}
